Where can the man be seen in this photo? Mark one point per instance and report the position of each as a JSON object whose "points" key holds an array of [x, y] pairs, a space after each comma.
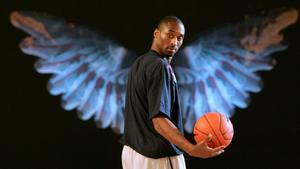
{"points": [[153, 134]]}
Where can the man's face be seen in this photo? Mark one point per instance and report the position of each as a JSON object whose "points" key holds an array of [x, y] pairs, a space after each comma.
{"points": [[169, 37]]}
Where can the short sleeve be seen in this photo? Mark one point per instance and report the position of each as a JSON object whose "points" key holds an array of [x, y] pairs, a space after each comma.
{"points": [[158, 93]]}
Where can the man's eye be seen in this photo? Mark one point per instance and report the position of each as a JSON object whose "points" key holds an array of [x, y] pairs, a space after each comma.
{"points": [[170, 36]]}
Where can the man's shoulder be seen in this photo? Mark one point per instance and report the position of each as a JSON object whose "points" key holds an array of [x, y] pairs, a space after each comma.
{"points": [[149, 60], [151, 64], [155, 58]]}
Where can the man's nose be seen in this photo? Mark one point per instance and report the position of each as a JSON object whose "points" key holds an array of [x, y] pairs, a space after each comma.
{"points": [[174, 41]]}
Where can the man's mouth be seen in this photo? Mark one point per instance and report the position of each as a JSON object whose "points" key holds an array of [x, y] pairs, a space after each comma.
{"points": [[172, 50]]}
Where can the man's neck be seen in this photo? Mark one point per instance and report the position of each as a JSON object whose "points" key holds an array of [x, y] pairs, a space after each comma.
{"points": [[168, 59]]}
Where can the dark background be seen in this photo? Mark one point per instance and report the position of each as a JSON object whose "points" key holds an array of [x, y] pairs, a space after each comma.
{"points": [[36, 133]]}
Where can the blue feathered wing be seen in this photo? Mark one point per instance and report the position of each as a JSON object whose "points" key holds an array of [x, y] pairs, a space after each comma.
{"points": [[88, 69], [218, 70]]}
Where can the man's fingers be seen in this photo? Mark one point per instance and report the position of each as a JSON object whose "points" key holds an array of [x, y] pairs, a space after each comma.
{"points": [[219, 148], [217, 153], [208, 138]]}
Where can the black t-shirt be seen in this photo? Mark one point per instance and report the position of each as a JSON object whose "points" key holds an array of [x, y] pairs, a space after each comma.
{"points": [[151, 90]]}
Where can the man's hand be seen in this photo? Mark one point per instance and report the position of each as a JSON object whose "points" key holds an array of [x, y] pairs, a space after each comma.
{"points": [[203, 151], [168, 130]]}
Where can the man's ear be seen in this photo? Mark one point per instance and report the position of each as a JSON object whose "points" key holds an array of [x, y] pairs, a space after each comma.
{"points": [[156, 33]]}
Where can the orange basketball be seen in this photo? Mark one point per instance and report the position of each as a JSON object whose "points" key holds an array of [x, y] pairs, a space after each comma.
{"points": [[216, 124]]}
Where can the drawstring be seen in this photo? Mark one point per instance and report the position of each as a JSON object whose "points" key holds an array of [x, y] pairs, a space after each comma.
{"points": [[170, 163]]}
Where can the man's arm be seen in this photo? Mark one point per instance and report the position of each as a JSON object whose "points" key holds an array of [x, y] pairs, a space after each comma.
{"points": [[169, 131]]}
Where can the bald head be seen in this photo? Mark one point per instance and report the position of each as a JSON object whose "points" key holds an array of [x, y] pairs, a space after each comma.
{"points": [[165, 20]]}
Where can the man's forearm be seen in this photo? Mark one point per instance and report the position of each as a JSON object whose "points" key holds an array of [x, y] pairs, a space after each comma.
{"points": [[168, 130]]}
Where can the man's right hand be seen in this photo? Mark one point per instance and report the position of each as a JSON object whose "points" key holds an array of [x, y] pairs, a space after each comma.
{"points": [[202, 150]]}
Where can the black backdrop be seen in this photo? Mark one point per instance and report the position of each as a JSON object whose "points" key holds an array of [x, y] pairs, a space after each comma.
{"points": [[37, 133]]}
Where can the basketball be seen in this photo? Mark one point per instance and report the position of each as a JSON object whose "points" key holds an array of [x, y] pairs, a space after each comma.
{"points": [[216, 124]]}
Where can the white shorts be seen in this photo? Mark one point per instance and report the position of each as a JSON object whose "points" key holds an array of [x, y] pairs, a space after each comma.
{"points": [[133, 160]]}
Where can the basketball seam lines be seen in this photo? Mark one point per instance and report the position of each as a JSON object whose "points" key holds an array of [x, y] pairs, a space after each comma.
{"points": [[225, 132], [201, 131], [212, 129]]}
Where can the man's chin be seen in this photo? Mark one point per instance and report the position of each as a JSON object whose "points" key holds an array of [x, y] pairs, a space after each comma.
{"points": [[170, 53]]}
